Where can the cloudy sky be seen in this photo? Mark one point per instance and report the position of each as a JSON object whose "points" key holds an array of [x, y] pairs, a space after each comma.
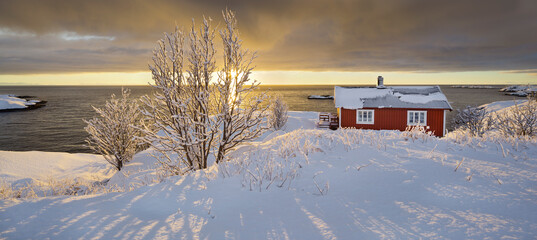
{"points": [[310, 41]]}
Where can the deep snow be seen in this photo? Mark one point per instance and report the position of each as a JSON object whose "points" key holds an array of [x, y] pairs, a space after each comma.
{"points": [[309, 184], [40, 166]]}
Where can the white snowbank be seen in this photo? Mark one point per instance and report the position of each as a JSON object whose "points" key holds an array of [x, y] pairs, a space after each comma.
{"points": [[502, 105], [141, 170], [41, 166], [11, 102], [311, 184]]}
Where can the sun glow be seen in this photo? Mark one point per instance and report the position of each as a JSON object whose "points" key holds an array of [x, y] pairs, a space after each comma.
{"points": [[105, 78], [283, 78], [233, 88]]}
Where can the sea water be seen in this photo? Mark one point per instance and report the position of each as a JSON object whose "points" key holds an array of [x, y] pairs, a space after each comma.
{"points": [[58, 127]]}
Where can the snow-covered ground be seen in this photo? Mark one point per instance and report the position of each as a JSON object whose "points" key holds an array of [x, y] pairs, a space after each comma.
{"points": [[306, 184], [41, 166], [12, 102], [501, 106]]}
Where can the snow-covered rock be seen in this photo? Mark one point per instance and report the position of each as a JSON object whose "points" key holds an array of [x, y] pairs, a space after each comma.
{"points": [[9, 102], [519, 90], [320, 97], [518, 94]]}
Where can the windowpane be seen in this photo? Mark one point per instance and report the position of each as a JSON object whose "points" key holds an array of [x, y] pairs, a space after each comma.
{"points": [[417, 117], [364, 117]]}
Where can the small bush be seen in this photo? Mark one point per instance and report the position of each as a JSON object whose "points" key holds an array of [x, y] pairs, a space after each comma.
{"points": [[277, 113], [520, 120], [417, 132], [476, 120], [114, 133]]}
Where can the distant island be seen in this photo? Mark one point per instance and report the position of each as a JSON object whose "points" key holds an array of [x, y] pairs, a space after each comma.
{"points": [[17, 103], [475, 86], [320, 97], [513, 90], [519, 90]]}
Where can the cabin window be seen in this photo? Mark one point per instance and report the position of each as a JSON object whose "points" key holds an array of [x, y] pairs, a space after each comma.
{"points": [[365, 116], [417, 118]]}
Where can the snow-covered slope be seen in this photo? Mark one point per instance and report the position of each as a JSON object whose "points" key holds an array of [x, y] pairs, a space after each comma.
{"points": [[502, 105], [41, 166], [312, 184]]}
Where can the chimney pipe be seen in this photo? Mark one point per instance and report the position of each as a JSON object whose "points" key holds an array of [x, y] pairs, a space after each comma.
{"points": [[380, 82]]}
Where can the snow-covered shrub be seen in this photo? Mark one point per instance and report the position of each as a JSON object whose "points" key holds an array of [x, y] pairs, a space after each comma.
{"points": [[262, 168], [519, 120], [114, 133], [417, 132], [277, 113], [51, 187], [195, 115], [475, 120], [278, 162]]}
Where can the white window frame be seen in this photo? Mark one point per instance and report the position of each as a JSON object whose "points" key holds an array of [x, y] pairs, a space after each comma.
{"points": [[415, 113], [366, 112]]}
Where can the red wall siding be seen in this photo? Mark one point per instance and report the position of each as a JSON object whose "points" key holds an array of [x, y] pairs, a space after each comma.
{"points": [[394, 119]]}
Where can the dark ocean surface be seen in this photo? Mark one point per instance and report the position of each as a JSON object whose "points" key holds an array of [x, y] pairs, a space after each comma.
{"points": [[58, 127]]}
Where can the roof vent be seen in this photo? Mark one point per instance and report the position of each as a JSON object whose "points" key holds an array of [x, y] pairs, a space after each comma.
{"points": [[380, 82]]}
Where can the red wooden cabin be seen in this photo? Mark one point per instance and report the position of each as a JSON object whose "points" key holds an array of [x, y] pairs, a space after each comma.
{"points": [[392, 107]]}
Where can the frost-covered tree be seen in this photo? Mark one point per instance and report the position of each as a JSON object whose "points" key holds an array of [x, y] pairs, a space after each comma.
{"points": [[519, 120], [181, 105], [240, 111], [476, 120], [114, 133], [196, 115], [277, 116]]}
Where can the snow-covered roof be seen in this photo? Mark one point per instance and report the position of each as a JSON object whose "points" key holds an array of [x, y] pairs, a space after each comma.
{"points": [[390, 97]]}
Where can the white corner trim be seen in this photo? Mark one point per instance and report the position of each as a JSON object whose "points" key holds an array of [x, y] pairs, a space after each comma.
{"points": [[339, 116], [444, 128]]}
